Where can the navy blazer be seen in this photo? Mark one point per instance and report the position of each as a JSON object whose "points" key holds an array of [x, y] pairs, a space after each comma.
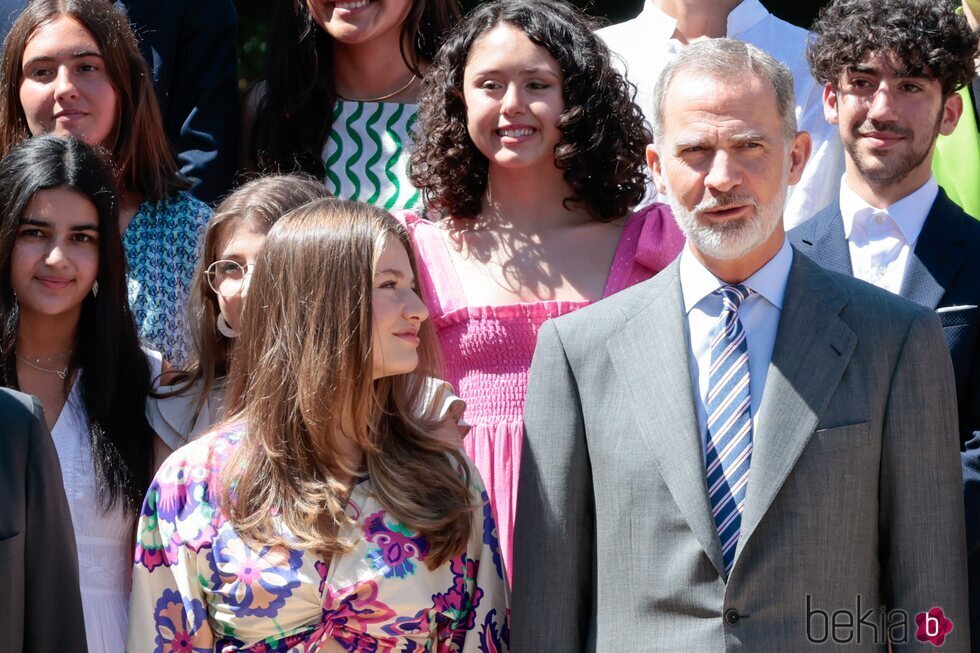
{"points": [[191, 46], [40, 605], [943, 273]]}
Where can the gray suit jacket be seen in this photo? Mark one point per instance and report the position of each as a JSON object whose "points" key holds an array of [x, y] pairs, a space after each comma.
{"points": [[853, 492], [943, 274], [40, 606]]}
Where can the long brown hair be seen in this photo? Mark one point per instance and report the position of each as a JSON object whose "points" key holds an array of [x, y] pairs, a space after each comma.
{"points": [[142, 156], [304, 367], [259, 204]]}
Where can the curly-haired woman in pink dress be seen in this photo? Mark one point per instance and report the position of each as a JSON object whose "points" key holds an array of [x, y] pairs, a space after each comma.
{"points": [[530, 145]]}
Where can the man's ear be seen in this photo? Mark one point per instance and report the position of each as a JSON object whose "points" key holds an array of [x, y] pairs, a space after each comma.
{"points": [[952, 110], [830, 104], [655, 165], [799, 154]]}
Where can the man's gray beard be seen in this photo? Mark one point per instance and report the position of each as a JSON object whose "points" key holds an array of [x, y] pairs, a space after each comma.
{"points": [[733, 239]]}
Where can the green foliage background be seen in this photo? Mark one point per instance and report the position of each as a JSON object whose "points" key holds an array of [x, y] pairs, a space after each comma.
{"points": [[252, 30]]}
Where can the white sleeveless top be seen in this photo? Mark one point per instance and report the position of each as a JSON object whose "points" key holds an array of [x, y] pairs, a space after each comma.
{"points": [[104, 540]]}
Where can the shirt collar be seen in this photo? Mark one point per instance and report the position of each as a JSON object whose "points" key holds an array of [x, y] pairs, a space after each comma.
{"points": [[769, 281], [742, 18], [909, 213]]}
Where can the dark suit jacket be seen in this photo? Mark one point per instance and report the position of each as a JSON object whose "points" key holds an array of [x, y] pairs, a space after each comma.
{"points": [[943, 272], [191, 47], [40, 605]]}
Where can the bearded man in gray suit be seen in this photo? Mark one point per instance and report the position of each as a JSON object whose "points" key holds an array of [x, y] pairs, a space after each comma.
{"points": [[747, 452]]}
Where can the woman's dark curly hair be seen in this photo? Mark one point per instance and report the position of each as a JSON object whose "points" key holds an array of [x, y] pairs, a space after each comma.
{"points": [[603, 134], [927, 36]]}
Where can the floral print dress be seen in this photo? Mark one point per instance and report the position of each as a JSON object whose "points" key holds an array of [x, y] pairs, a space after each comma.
{"points": [[198, 587]]}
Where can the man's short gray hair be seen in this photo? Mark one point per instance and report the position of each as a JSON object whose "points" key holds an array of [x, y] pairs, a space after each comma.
{"points": [[727, 59]]}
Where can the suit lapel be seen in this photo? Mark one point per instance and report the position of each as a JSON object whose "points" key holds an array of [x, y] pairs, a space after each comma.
{"points": [[812, 349], [938, 254], [828, 244], [651, 355]]}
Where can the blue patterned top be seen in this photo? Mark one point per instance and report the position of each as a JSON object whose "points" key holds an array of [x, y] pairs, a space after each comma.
{"points": [[162, 243]]}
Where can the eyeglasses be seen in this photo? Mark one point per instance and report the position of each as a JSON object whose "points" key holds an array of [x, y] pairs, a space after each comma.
{"points": [[227, 278]]}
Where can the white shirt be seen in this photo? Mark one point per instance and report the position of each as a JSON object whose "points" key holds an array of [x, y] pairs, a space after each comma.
{"points": [[880, 240], [759, 315], [103, 540], [645, 43]]}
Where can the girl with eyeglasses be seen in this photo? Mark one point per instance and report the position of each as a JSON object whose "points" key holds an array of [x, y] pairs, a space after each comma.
{"points": [[67, 336], [191, 398], [322, 514]]}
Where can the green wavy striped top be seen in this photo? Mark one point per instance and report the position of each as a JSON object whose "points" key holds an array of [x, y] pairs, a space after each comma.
{"points": [[367, 153]]}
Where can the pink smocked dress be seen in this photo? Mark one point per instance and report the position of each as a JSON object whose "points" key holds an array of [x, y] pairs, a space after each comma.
{"points": [[488, 349]]}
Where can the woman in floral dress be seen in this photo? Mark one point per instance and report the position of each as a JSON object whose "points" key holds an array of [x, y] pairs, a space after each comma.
{"points": [[322, 515]]}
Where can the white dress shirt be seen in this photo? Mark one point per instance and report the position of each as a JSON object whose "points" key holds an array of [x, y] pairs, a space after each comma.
{"points": [[759, 315], [645, 43], [880, 240]]}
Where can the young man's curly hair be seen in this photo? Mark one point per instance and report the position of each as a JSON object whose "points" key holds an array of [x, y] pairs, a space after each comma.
{"points": [[926, 36], [603, 135]]}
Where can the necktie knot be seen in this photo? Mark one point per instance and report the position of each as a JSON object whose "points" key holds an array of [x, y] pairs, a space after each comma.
{"points": [[732, 296]]}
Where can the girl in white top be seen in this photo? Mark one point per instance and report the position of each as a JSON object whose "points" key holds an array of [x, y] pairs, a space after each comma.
{"points": [[69, 338], [189, 400]]}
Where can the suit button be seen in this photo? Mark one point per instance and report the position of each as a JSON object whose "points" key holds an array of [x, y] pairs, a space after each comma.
{"points": [[731, 617]]}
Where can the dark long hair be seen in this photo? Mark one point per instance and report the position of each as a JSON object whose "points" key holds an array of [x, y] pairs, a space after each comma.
{"points": [[115, 373], [294, 115], [603, 136], [139, 145]]}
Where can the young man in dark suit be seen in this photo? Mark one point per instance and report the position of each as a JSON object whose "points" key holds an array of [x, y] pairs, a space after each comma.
{"points": [[891, 70]]}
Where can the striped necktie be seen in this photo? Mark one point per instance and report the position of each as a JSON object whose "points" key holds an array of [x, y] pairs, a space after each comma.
{"points": [[729, 442]]}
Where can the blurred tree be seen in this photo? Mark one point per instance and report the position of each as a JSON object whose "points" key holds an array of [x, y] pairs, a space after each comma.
{"points": [[253, 30]]}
